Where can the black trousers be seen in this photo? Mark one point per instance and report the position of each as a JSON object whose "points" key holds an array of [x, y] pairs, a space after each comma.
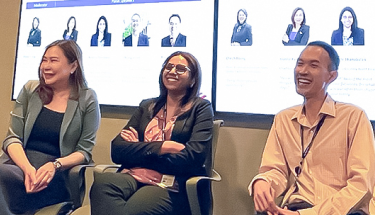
{"points": [[304, 205], [120, 194], [14, 191]]}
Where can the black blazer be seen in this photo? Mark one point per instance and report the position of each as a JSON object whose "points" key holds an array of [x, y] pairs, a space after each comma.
{"points": [[142, 40], [180, 41], [193, 129], [73, 35], [107, 41], [358, 37], [302, 36], [35, 37]]}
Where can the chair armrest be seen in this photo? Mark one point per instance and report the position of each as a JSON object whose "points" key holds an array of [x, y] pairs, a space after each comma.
{"points": [[77, 185], [192, 191], [60, 208], [103, 167]]}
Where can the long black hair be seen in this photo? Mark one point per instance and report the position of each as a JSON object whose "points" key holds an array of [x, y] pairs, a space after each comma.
{"points": [[75, 23], [105, 29], [355, 22], [192, 92]]}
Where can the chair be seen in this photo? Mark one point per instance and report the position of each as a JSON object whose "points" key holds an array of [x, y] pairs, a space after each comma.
{"points": [[191, 184], [77, 188]]}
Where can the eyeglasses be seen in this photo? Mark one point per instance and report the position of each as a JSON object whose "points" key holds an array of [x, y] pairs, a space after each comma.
{"points": [[180, 69]]}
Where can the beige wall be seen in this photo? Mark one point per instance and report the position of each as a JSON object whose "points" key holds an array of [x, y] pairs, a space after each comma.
{"points": [[238, 153]]}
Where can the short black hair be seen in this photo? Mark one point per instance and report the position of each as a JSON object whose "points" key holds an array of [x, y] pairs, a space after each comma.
{"points": [[175, 15], [37, 19], [335, 59]]}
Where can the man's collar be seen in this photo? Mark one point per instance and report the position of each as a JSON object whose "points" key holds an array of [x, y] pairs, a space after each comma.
{"points": [[327, 108]]}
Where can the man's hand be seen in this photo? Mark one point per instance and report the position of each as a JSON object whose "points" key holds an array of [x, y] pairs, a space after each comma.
{"points": [[285, 211], [264, 197]]}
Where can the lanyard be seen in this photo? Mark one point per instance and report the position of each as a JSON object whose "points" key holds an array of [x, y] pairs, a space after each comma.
{"points": [[298, 169], [164, 121], [304, 152]]}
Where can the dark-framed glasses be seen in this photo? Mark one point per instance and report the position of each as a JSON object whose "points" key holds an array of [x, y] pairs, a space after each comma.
{"points": [[180, 68]]}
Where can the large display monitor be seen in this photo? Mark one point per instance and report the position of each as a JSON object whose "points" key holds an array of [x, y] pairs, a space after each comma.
{"points": [[255, 70], [120, 70]]}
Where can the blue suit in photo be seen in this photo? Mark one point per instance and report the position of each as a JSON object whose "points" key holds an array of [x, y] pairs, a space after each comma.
{"points": [[302, 36], [180, 41], [358, 37], [142, 40]]}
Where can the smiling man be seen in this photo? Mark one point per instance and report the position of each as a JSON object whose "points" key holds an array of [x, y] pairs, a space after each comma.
{"points": [[323, 149]]}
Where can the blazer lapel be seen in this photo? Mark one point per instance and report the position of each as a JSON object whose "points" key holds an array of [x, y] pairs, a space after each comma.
{"points": [[68, 116], [35, 106], [179, 126]]}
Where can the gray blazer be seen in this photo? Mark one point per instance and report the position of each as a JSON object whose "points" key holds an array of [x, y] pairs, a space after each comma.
{"points": [[78, 129]]}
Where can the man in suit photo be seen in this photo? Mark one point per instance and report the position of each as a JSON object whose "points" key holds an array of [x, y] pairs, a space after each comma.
{"points": [[137, 38], [175, 39]]}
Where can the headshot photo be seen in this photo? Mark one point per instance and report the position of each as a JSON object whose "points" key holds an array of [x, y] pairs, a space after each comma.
{"points": [[348, 33], [297, 33], [35, 35], [175, 38], [101, 37], [136, 38], [242, 35], [70, 32]]}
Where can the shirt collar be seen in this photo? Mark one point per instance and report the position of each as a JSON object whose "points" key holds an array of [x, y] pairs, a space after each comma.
{"points": [[327, 108]]}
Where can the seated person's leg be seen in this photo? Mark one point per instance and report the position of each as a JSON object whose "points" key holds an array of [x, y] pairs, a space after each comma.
{"points": [[3, 205], [110, 192], [13, 188], [150, 200]]}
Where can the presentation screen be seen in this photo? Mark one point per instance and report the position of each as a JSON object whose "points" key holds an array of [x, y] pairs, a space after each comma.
{"points": [[124, 42], [259, 43]]}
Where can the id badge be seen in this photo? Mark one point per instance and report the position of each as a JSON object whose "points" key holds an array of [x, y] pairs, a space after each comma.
{"points": [[167, 180]]}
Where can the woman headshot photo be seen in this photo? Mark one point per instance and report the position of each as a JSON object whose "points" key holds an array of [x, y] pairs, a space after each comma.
{"points": [[101, 37], [71, 33], [348, 33], [297, 33], [242, 35], [52, 128], [165, 142], [35, 35]]}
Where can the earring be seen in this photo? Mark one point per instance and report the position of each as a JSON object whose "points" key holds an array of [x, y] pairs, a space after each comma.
{"points": [[191, 85]]}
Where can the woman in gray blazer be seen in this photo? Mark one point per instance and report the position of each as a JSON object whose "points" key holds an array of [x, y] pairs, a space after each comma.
{"points": [[52, 128]]}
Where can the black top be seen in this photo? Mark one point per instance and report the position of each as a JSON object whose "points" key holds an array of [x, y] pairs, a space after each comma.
{"points": [[44, 136]]}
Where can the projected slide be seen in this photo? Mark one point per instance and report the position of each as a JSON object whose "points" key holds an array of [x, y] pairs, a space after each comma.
{"points": [[124, 42], [258, 48]]}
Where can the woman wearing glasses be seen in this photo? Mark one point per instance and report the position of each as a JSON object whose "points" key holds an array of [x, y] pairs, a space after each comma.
{"points": [[165, 142]]}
